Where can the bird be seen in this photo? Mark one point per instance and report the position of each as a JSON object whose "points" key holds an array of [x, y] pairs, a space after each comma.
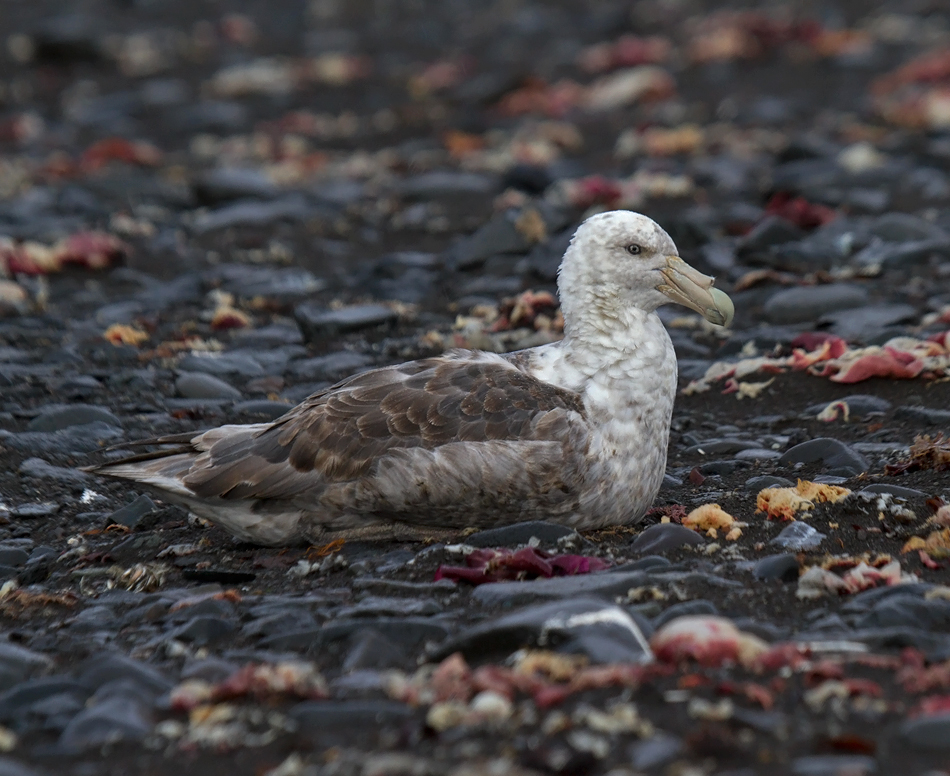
{"points": [[574, 432]]}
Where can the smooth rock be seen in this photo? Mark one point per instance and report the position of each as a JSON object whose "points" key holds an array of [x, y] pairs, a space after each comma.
{"points": [[520, 533], [202, 631], [98, 670], [198, 385], [683, 609], [331, 718], [859, 404], [806, 304], [665, 537], [655, 751], [863, 323], [33, 511], [317, 323], [284, 283], [132, 513], [499, 235], [332, 367], [602, 584], [229, 183], [767, 481], [42, 470], [895, 490], [924, 415], [834, 765], [782, 567], [831, 452], [930, 732], [253, 213], [58, 418], [798, 536], [113, 720], [604, 632]]}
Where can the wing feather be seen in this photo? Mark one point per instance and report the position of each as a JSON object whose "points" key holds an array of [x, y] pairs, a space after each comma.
{"points": [[342, 433]]}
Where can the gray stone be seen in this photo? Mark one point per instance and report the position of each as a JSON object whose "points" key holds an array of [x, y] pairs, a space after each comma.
{"points": [[924, 415], [33, 511], [10, 767], [293, 207], [222, 364], [893, 255], [13, 556], [286, 283], [136, 548], [831, 452], [655, 751], [332, 367], [665, 537], [931, 731], [834, 765], [372, 651], [499, 235], [604, 632], [318, 323], [18, 663], [198, 385], [229, 183], [798, 536], [683, 609], [782, 567], [806, 304], [407, 632], [113, 720], [859, 404], [520, 533], [865, 322], [904, 227], [72, 440], [720, 446], [757, 454], [895, 490], [202, 631], [331, 718], [771, 230], [767, 481], [98, 670], [132, 513], [42, 470], [58, 418], [446, 183], [602, 584]]}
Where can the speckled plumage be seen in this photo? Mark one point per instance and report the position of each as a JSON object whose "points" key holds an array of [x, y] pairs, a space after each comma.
{"points": [[575, 431]]}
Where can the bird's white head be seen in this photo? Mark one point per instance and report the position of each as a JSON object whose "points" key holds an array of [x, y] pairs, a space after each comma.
{"points": [[622, 263]]}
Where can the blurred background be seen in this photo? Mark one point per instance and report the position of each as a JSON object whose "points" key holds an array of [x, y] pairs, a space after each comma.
{"points": [[389, 146]]}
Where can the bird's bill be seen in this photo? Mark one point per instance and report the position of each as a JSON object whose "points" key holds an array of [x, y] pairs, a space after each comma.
{"points": [[691, 288]]}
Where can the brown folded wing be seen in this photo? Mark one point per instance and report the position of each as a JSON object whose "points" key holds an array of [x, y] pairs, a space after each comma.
{"points": [[340, 434]]}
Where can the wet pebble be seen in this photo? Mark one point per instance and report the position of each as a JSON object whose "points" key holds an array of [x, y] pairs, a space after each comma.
{"points": [[520, 533], [132, 514], [198, 385], [931, 731], [783, 567], [602, 631], [58, 418], [833, 453], [803, 305], [318, 323], [798, 536], [665, 537]]}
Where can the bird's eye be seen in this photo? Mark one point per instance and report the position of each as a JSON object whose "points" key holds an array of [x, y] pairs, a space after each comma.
{"points": [[633, 249]]}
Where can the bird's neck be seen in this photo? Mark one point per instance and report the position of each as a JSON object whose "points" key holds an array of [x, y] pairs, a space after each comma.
{"points": [[628, 351]]}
